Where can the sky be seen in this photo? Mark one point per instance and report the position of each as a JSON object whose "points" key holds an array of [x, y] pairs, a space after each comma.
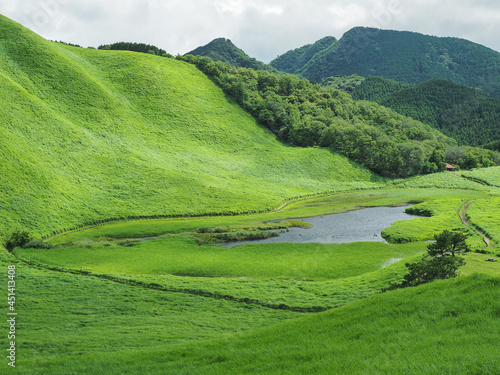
{"points": [[264, 29]]}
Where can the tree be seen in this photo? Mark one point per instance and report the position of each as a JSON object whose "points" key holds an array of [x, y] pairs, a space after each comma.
{"points": [[17, 239], [437, 264], [448, 242]]}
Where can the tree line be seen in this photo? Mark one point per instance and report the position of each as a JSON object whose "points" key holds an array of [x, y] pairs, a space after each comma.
{"points": [[136, 47]]}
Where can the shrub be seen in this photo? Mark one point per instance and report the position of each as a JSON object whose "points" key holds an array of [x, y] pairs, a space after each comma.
{"points": [[37, 243], [17, 239]]}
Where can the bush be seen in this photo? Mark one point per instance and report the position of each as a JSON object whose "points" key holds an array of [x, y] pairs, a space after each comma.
{"points": [[37, 243], [17, 239]]}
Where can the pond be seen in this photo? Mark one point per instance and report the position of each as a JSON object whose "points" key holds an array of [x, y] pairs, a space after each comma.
{"points": [[365, 225]]}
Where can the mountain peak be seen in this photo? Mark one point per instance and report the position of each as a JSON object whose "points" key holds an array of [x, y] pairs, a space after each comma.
{"points": [[222, 49]]}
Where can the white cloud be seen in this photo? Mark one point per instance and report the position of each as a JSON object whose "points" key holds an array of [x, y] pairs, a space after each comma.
{"points": [[262, 28]]}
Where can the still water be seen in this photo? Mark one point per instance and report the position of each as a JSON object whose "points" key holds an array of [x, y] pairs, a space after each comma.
{"points": [[363, 225]]}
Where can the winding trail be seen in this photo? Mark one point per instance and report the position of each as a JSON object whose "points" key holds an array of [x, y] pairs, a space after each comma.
{"points": [[466, 222]]}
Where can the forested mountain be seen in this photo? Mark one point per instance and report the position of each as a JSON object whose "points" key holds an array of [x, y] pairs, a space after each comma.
{"points": [[405, 57], [294, 60], [463, 113], [222, 49]]}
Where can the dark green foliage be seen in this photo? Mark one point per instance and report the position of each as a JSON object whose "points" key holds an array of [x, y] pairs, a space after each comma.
{"points": [[224, 50], [494, 146], [463, 113], [136, 47], [37, 243], [344, 83], [442, 264], [472, 157], [19, 238], [428, 270], [448, 242], [307, 115], [405, 57], [245, 236]]}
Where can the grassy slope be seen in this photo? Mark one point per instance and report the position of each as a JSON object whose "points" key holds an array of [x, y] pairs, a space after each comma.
{"points": [[490, 176], [88, 135], [447, 327]]}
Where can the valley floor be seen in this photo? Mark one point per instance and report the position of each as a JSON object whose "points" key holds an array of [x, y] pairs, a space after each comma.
{"points": [[157, 296]]}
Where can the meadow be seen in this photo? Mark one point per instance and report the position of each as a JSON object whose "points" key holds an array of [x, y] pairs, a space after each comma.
{"points": [[155, 269], [490, 176]]}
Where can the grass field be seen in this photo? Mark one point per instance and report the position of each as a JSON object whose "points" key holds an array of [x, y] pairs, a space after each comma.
{"points": [[485, 215], [490, 176]]}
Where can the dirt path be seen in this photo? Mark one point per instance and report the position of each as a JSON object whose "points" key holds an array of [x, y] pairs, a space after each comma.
{"points": [[466, 222]]}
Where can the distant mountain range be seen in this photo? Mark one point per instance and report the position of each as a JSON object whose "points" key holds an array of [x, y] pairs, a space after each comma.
{"points": [[399, 55]]}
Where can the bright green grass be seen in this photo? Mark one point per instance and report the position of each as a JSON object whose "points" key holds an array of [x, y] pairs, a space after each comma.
{"points": [[444, 180], [70, 315], [491, 176], [180, 255], [92, 135], [446, 327], [444, 216], [485, 215]]}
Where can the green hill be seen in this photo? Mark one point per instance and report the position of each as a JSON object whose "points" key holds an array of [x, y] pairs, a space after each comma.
{"points": [[405, 57], [445, 327], [91, 135], [222, 49], [294, 60], [463, 113]]}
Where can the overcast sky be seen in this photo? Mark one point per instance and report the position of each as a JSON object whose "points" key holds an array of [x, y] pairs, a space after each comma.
{"points": [[262, 28]]}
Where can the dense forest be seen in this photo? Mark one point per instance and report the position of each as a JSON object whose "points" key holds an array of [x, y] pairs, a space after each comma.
{"points": [[403, 56], [463, 113], [305, 114], [224, 50]]}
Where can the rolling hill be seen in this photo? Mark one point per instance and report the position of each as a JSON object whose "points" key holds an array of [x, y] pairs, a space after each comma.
{"points": [[402, 56], [222, 49], [89, 135]]}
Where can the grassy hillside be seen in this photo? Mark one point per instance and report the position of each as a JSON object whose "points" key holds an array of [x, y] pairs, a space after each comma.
{"points": [[89, 135], [144, 290], [406, 57], [443, 327]]}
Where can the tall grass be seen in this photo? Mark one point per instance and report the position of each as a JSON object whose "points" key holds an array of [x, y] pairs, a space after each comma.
{"points": [[490, 176], [446, 327]]}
